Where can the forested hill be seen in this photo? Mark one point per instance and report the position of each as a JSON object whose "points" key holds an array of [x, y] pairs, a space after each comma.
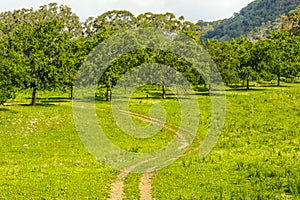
{"points": [[258, 16]]}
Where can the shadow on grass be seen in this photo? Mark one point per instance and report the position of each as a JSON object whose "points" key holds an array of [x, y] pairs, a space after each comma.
{"points": [[245, 90], [53, 99], [4, 109], [209, 94], [155, 98], [201, 89], [37, 105], [275, 86]]}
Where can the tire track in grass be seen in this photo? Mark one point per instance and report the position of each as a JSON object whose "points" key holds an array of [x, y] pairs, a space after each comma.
{"points": [[117, 186], [145, 186]]}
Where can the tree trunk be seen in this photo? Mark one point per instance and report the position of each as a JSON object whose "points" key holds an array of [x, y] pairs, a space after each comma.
{"points": [[125, 89], [108, 93], [164, 95], [209, 89], [248, 85], [71, 91], [278, 80], [33, 98]]}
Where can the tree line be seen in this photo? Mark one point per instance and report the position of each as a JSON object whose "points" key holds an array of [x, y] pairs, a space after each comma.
{"points": [[42, 50]]}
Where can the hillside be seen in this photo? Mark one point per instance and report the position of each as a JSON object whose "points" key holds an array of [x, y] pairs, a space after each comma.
{"points": [[255, 20]]}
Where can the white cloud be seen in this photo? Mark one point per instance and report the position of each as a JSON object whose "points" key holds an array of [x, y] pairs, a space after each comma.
{"points": [[192, 10]]}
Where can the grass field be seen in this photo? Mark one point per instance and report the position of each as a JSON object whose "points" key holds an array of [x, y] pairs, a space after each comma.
{"points": [[256, 157]]}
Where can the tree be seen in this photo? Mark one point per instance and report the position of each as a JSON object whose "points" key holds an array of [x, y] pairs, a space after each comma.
{"points": [[7, 72], [278, 53], [116, 20], [226, 59], [248, 67], [166, 21], [291, 22], [11, 21], [169, 22], [79, 48], [40, 54]]}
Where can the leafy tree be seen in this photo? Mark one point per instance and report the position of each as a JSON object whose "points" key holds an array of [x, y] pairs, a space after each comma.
{"points": [[248, 67], [168, 21], [7, 72], [291, 22], [226, 59], [11, 21], [133, 58], [116, 20], [40, 54], [262, 60], [79, 48], [293, 68], [278, 53]]}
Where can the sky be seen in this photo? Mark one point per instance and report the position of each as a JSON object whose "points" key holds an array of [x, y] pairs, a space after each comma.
{"points": [[192, 10]]}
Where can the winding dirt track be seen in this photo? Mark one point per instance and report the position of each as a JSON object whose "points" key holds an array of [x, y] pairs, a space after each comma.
{"points": [[117, 186]]}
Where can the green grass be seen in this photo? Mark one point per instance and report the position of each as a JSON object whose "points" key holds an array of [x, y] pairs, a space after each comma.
{"points": [[131, 187], [121, 139], [41, 156], [256, 157]]}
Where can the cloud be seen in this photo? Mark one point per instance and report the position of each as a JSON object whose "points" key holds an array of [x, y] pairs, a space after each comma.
{"points": [[192, 10]]}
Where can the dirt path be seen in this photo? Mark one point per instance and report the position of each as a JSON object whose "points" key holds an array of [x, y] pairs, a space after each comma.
{"points": [[116, 192], [145, 187]]}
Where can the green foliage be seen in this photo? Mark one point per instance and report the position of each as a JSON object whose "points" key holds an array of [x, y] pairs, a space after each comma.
{"points": [[7, 73], [291, 22], [120, 20], [268, 59], [281, 54], [260, 13], [248, 68], [13, 20], [226, 59], [116, 20], [41, 54], [47, 56]]}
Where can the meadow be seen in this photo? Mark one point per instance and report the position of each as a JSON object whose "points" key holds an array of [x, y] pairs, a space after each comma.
{"points": [[256, 157]]}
